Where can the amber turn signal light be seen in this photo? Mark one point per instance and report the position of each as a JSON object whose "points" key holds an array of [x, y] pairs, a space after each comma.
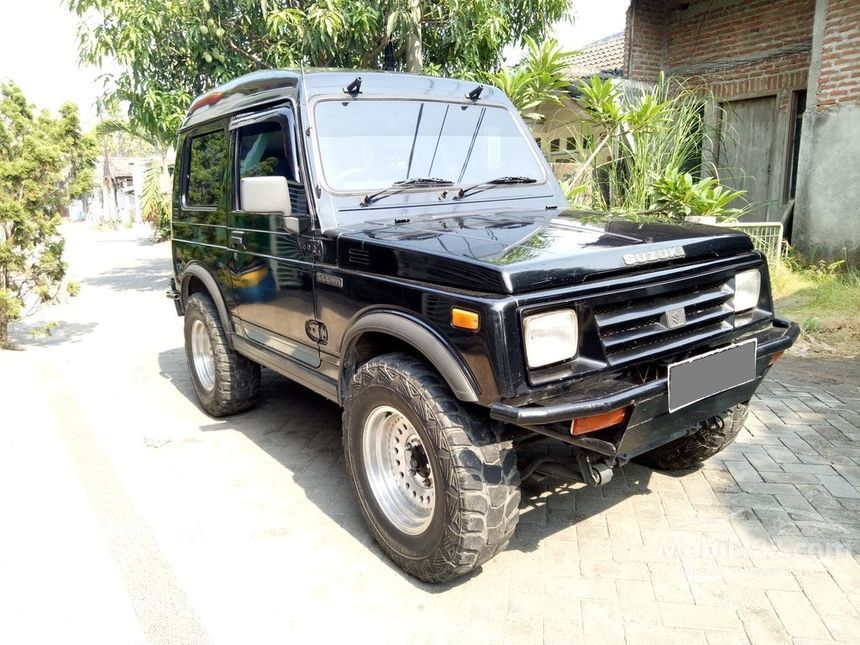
{"points": [[465, 319], [774, 358], [597, 422]]}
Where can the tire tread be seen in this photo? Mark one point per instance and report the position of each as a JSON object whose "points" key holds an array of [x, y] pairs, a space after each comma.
{"points": [[485, 483], [237, 380], [712, 435]]}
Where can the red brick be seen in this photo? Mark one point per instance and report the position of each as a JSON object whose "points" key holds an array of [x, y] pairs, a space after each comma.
{"points": [[678, 34], [839, 79]]}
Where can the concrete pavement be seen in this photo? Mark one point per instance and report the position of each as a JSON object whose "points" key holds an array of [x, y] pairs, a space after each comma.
{"points": [[131, 516]]}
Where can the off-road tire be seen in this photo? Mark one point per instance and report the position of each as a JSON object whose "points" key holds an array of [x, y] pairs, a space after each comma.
{"points": [[237, 379], [476, 480], [713, 435]]}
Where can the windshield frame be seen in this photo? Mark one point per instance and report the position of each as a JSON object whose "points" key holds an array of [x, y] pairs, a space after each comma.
{"points": [[515, 117]]}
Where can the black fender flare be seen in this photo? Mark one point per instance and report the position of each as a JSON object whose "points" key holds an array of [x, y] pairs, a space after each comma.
{"points": [[428, 342], [203, 274]]}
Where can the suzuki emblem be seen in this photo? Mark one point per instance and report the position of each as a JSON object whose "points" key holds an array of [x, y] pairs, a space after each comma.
{"points": [[675, 318], [660, 255]]}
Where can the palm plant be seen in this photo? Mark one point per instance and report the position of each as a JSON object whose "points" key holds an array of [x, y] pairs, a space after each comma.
{"points": [[154, 202], [540, 77], [647, 152]]}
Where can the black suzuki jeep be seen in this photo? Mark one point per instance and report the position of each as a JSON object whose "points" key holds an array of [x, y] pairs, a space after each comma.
{"points": [[398, 244]]}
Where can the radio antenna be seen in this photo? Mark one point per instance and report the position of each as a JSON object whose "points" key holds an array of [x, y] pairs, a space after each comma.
{"points": [[304, 89]]}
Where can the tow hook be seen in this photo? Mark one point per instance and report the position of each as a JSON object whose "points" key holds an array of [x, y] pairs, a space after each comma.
{"points": [[594, 473]]}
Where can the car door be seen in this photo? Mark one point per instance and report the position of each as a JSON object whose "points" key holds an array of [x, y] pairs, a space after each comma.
{"points": [[272, 275]]}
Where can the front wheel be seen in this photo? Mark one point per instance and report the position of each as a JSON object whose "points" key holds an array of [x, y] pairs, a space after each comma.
{"points": [[438, 491], [710, 437]]}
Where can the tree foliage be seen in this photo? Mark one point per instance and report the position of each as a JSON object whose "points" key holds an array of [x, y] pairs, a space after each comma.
{"points": [[118, 138], [44, 163], [169, 51]]}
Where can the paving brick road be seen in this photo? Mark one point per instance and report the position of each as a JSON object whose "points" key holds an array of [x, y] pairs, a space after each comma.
{"points": [[130, 516]]}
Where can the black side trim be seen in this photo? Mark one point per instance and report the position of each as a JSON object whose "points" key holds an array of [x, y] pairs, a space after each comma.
{"points": [[294, 371], [429, 344]]}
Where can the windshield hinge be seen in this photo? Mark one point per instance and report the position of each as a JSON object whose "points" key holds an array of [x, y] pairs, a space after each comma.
{"points": [[353, 88]]}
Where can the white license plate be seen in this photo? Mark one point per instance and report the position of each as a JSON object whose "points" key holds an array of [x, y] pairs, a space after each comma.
{"points": [[702, 376]]}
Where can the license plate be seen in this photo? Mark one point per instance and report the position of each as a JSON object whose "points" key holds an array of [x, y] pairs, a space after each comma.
{"points": [[702, 376]]}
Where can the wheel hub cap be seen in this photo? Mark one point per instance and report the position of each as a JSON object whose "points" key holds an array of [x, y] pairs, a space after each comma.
{"points": [[201, 353], [398, 470]]}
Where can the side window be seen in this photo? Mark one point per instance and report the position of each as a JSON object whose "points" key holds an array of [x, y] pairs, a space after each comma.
{"points": [[207, 161], [264, 150]]}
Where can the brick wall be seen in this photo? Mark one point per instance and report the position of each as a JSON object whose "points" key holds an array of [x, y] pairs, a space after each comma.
{"points": [[643, 42], [738, 47], [839, 80]]}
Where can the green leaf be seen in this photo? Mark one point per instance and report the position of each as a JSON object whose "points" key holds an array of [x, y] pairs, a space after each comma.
{"points": [[159, 82]]}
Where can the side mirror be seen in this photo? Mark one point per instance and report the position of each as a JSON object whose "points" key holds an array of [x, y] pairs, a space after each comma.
{"points": [[270, 195]]}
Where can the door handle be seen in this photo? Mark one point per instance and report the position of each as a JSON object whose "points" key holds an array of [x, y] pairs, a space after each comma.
{"points": [[238, 239]]}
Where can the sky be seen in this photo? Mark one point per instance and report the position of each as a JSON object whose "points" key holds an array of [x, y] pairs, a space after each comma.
{"points": [[38, 48], [592, 20]]}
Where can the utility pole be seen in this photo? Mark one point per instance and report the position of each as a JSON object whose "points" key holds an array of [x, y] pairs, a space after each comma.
{"points": [[414, 53]]}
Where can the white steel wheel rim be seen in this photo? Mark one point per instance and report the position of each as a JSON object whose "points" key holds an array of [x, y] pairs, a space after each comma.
{"points": [[201, 354], [398, 470]]}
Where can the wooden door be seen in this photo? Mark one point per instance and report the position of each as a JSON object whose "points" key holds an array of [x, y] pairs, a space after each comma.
{"points": [[747, 134]]}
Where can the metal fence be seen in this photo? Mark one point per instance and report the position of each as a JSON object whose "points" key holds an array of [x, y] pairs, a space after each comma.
{"points": [[766, 237]]}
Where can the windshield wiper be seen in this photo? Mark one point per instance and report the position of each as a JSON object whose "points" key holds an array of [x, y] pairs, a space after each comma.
{"points": [[492, 183], [405, 184]]}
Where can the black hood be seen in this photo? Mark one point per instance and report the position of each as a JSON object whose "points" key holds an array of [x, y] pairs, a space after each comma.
{"points": [[513, 252]]}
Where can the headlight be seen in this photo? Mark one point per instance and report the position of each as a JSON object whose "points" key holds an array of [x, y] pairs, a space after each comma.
{"points": [[551, 337], [747, 288]]}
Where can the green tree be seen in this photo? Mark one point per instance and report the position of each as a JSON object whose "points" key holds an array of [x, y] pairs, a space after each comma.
{"points": [[44, 163], [169, 51]]}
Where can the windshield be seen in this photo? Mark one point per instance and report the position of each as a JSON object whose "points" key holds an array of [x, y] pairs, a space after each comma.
{"points": [[370, 144]]}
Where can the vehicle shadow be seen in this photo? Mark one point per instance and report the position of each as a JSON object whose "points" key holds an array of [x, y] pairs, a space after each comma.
{"points": [[302, 431]]}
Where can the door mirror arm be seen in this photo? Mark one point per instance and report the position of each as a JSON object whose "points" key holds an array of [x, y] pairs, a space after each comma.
{"points": [[295, 224]]}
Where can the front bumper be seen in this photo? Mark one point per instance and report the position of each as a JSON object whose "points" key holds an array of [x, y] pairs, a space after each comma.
{"points": [[649, 424]]}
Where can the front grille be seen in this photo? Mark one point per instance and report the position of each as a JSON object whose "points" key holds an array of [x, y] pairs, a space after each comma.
{"points": [[632, 324]]}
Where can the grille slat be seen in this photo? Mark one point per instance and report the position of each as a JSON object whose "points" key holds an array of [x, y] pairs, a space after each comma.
{"points": [[642, 310], [670, 343], [655, 329], [632, 326]]}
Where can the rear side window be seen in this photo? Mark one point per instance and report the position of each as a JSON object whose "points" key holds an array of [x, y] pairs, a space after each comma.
{"points": [[207, 163]]}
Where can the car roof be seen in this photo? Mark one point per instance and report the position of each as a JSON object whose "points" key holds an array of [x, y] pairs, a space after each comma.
{"points": [[273, 85]]}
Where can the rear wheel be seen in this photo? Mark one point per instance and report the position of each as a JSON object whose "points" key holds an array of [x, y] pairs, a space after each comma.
{"points": [[710, 437], [225, 381], [439, 492]]}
